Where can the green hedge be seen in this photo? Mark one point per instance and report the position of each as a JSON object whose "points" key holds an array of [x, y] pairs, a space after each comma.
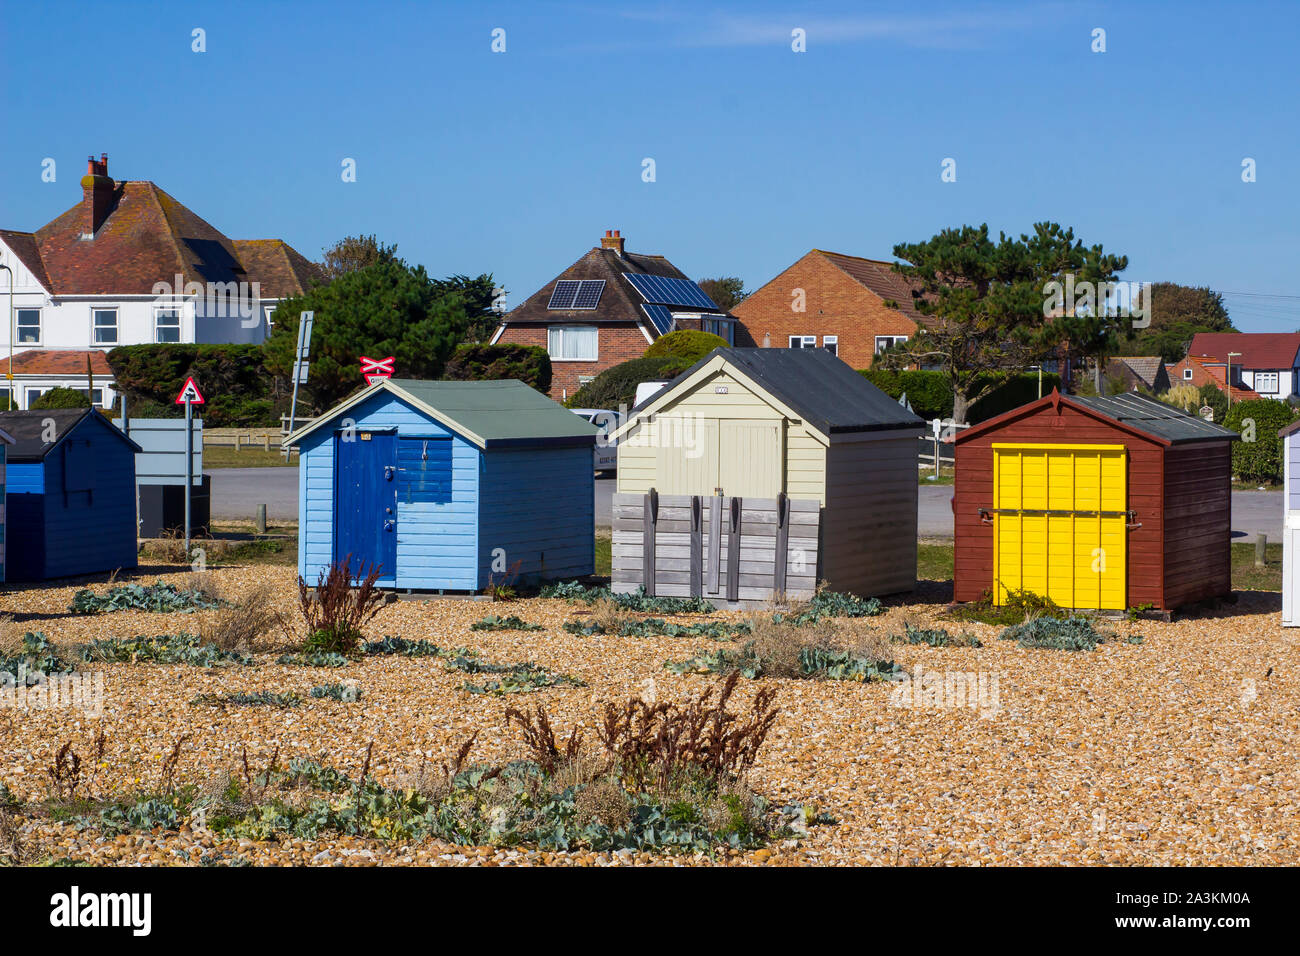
{"points": [[61, 398], [1258, 456], [930, 393], [236, 384], [480, 361], [690, 344], [617, 385]]}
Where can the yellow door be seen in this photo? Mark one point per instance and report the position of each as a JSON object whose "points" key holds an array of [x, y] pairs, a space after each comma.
{"points": [[1059, 525], [750, 458]]}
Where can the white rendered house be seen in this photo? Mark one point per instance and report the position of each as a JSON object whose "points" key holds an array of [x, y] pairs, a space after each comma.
{"points": [[129, 265]]}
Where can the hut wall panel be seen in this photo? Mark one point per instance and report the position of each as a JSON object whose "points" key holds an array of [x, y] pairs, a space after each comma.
{"points": [[1198, 528], [869, 530], [973, 540], [25, 517], [315, 505], [95, 529], [537, 504]]}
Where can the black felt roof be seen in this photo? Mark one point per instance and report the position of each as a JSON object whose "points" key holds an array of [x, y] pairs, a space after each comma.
{"points": [[1154, 418], [827, 394], [29, 431]]}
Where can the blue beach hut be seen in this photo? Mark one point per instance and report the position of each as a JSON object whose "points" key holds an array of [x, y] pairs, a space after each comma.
{"points": [[70, 495], [447, 486]]}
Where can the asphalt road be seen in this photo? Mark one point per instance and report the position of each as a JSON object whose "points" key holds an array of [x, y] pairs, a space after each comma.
{"points": [[236, 493]]}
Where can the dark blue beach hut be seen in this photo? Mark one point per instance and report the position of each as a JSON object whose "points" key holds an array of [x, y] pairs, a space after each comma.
{"points": [[447, 486], [70, 502]]}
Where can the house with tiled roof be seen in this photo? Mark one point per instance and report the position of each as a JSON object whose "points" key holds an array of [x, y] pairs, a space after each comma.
{"points": [[606, 308], [1140, 372], [130, 265], [1264, 363], [851, 306], [1191, 370]]}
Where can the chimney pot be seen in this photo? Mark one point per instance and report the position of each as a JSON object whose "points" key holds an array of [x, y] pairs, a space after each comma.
{"points": [[614, 242], [96, 194]]}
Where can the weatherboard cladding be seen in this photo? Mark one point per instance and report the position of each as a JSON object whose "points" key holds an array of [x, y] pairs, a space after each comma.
{"points": [[448, 530], [1178, 486], [70, 503]]}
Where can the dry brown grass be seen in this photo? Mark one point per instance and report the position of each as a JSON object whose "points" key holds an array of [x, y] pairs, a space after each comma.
{"points": [[248, 624], [609, 615], [11, 636]]}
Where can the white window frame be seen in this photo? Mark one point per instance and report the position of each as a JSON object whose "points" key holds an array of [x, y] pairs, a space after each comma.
{"points": [[831, 343], [179, 317], [1266, 376], [32, 392], [552, 331], [803, 341], [94, 327], [90, 394], [1187, 375], [891, 340], [18, 327]]}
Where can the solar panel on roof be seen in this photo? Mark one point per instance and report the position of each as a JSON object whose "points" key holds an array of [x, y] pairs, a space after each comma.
{"points": [[660, 316], [589, 294], [663, 290], [566, 290]]}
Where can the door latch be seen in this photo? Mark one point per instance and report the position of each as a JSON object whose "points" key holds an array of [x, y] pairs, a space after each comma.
{"points": [[389, 525], [389, 471]]}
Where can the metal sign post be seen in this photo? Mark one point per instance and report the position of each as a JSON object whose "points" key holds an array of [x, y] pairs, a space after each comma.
{"points": [[189, 397], [305, 320]]}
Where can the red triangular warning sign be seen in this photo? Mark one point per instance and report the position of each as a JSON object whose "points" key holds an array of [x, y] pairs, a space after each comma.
{"points": [[190, 393]]}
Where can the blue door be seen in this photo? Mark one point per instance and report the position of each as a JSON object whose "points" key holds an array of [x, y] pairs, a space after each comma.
{"points": [[365, 502]]}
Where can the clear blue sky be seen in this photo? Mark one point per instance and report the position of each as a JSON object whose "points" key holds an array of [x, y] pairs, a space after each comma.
{"points": [[514, 163]]}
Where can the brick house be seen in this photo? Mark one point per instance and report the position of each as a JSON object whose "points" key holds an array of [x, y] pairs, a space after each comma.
{"points": [[607, 308], [130, 265], [1264, 363], [1195, 371], [852, 306]]}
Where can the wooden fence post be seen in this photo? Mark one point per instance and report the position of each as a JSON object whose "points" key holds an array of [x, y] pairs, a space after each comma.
{"points": [[649, 517], [697, 546], [733, 552], [782, 544]]}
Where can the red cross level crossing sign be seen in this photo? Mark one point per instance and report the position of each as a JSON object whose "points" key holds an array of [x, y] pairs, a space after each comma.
{"points": [[372, 369], [190, 394]]}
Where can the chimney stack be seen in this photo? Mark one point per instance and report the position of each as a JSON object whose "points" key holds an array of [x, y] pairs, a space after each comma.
{"points": [[96, 195], [612, 240]]}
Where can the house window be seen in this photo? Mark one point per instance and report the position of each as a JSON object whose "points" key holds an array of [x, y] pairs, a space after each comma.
{"points": [[268, 311], [96, 396], [33, 394], [5, 399], [831, 343], [723, 328], [888, 341], [803, 341], [572, 343], [105, 326], [166, 325], [1187, 374], [29, 326], [1266, 383]]}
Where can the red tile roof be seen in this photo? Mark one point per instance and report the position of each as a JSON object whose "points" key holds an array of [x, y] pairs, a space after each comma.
{"points": [[879, 277], [149, 237], [58, 362], [1259, 350], [280, 269]]}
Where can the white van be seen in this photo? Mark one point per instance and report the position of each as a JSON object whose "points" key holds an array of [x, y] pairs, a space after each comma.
{"points": [[605, 454]]}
